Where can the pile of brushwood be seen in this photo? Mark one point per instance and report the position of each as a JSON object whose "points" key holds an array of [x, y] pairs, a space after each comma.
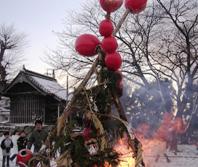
{"points": [[87, 131]]}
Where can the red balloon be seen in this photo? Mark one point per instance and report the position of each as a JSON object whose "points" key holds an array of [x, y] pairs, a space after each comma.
{"points": [[106, 28], [109, 44], [135, 6], [86, 44], [113, 61], [87, 133], [111, 5]]}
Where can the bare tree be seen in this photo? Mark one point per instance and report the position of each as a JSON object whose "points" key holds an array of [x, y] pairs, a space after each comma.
{"points": [[157, 44], [178, 50], [11, 43], [65, 57], [134, 39]]}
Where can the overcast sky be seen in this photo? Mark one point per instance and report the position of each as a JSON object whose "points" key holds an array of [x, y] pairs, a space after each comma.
{"points": [[37, 19]]}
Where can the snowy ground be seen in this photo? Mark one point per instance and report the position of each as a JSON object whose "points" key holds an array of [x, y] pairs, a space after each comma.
{"points": [[186, 157]]}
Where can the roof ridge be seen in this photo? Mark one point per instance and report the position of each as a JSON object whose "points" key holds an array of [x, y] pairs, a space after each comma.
{"points": [[38, 84], [46, 89], [36, 74]]}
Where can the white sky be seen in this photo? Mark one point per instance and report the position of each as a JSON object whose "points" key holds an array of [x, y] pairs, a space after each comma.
{"points": [[37, 19]]}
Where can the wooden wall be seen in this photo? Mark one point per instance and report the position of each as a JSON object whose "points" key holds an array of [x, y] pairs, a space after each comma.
{"points": [[28, 104], [26, 107]]}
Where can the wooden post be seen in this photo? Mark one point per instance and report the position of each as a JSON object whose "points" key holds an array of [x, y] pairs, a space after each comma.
{"points": [[119, 107]]}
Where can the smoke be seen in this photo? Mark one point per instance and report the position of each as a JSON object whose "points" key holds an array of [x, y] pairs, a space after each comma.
{"points": [[148, 104]]}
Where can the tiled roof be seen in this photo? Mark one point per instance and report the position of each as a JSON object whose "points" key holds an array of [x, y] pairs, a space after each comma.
{"points": [[50, 87], [44, 84]]}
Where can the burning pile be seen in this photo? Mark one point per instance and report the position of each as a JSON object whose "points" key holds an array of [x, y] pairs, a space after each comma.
{"points": [[125, 152]]}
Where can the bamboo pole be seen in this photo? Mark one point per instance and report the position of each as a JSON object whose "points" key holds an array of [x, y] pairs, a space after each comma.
{"points": [[121, 21], [67, 111]]}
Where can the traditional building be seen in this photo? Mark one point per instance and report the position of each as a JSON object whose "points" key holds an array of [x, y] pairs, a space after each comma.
{"points": [[33, 95]]}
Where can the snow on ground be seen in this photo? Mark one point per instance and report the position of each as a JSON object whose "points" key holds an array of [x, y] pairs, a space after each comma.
{"points": [[186, 157]]}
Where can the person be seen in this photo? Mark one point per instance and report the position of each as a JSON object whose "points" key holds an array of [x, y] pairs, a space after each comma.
{"points": [[6, 146], [37, 137], [14, 150], [22, 141], [15, 137], [21, 144]]}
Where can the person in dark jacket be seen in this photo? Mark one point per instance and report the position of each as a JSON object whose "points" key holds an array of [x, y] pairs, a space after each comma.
{"points": [[37, 137], [22, 141], [6, 146]]}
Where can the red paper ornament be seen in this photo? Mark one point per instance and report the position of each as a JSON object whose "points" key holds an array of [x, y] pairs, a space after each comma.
{"points": [[135, 6], [109, 44], [106, 28], [24, 156], [111, 5], [86, 133], [113, 61], [86, 44]]}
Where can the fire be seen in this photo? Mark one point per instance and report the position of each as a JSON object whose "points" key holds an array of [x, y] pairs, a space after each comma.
{"points": [[106, 164], [125, 153], [155, 144]]}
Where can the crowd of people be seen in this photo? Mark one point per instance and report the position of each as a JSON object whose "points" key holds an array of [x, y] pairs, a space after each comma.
{"points": [[21, 140]]}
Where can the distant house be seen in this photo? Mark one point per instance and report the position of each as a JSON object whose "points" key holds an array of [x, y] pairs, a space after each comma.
{"points": [[33, 95]]}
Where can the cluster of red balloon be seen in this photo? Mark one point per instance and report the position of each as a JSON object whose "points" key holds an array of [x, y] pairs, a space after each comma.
{"points": [[109, 44], [86, 44], [135, 6]]}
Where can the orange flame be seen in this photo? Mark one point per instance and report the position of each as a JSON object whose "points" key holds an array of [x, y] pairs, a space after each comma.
{"points": [[155, 145], [125, 153], [107, 164]]}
